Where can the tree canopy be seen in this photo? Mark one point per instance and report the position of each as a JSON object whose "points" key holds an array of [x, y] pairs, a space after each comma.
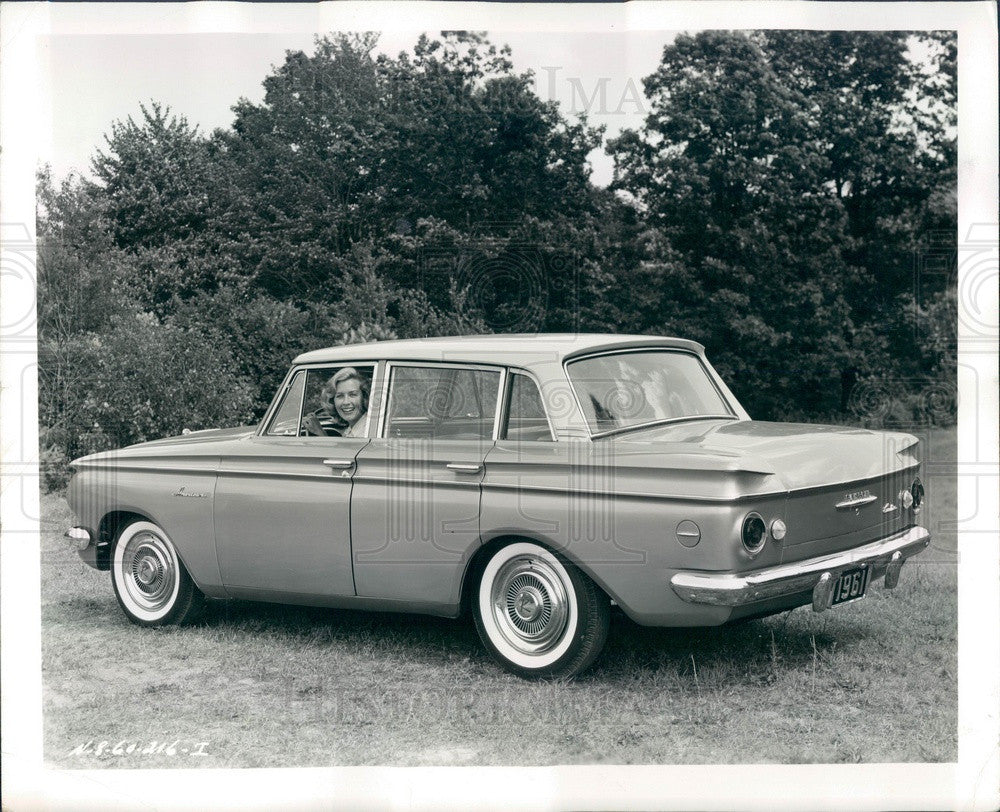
{"points": [[787, 179], [773, 205]]}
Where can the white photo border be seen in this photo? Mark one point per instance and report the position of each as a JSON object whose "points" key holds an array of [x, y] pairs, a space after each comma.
{"points": [[971, 783]]}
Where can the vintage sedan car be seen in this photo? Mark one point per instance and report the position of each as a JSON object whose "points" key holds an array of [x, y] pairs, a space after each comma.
{"points": [[533, 480]]}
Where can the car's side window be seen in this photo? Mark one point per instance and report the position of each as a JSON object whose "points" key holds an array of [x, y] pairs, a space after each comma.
{"points": [[336, 401], [286, 418], [526, 414], [443, 402]]}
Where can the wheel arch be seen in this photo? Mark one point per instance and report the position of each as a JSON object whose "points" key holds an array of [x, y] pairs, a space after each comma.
{"points": [[477, 563], [150, 581], [111, 526]]}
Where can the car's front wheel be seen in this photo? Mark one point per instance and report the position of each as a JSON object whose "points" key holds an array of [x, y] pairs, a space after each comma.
{"points": [[150, 582], [538, 615]]}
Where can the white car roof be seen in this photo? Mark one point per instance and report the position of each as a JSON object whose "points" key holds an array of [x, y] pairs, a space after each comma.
{"points": [[525, 350]]}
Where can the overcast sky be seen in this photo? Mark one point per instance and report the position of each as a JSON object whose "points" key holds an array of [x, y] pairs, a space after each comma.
{"points": [[94, 80]]}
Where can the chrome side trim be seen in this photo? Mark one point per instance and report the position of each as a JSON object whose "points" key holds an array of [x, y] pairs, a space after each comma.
{"points": [[603, 494], [739, 589], [458, 482], [150, 466], [275, 474], [326, 477]]}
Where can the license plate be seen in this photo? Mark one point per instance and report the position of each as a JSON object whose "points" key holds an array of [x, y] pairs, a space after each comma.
{"points": [[850, 585]]}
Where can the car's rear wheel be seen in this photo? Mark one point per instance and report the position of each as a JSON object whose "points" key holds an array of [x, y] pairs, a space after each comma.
{"points": [[150, 582], [538, 615]]}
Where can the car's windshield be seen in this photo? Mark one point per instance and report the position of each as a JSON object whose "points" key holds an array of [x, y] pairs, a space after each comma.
{"points": [[625, 389]]}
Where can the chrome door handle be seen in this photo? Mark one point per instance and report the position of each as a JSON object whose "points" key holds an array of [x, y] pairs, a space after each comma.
{"points": [[339, 463], [466, 467]]}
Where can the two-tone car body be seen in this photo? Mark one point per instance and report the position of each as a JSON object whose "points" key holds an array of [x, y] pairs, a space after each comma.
{"points": [[533, 480]]}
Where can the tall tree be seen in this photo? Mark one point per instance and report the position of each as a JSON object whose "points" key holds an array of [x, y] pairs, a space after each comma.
{"points": [[155, 177], [788, 181], [83, 277], [167, 198], [744, 245], [347, 147], [886, 117]]}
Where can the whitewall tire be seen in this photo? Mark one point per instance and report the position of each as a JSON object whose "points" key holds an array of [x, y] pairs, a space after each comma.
{"points": [[150, 582], [538, 615]]}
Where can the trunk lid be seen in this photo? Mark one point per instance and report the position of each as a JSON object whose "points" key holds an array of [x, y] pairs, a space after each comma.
{"points": [[843, 483], [801, 455]]}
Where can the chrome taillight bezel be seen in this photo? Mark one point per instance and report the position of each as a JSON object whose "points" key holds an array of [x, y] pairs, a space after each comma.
{"points": [[760, 531]]}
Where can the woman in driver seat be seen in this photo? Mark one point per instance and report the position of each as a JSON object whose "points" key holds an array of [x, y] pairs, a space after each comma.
{"points": [[343, 406]]}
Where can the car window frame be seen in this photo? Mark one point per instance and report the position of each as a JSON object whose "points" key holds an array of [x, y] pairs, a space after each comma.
{"points": [[389, 365], [272, 410], [567, 362], [509, 393], [283, 391]]}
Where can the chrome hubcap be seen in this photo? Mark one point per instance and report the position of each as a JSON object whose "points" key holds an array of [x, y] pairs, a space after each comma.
{"points": [[147, 570], [530, 604], [150, 571]]}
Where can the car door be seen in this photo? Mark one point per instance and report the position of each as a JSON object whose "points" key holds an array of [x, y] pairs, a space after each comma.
{"points": [[282, 502], [560, 492], [415, 503], [527, 485]]}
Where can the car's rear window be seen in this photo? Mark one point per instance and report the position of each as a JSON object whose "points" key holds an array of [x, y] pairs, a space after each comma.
{"points": [[625, 389]]}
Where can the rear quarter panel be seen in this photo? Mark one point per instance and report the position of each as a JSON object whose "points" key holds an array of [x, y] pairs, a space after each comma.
{"points": [[614, 513]]}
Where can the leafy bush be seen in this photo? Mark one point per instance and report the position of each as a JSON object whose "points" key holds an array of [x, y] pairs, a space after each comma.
{"points": [[144, 380], [917, 383], [260, 334]]}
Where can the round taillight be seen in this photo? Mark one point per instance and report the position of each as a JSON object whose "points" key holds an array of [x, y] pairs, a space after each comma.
{"points": [[754, 533], [906, 499], [778, 530], [917, 492]]}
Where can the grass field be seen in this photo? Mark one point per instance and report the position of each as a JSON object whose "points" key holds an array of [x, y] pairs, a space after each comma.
{"points": [[257, 685]]}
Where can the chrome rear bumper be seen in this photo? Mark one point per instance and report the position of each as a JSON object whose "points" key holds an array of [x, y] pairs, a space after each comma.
{"points": [[884, 557]]}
